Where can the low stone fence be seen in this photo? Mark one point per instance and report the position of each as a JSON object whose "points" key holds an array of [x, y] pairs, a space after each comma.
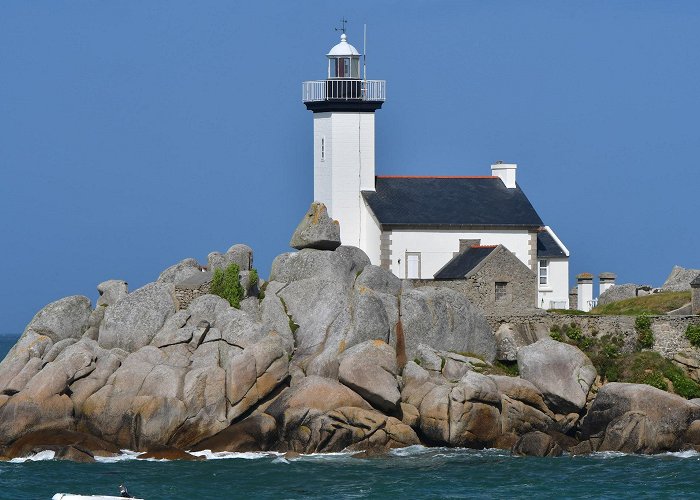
{"points": [[191, 288], [669, 331]]}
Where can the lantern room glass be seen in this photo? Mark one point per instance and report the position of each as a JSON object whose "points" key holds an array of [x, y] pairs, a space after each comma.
{"points": [[344, 67]]}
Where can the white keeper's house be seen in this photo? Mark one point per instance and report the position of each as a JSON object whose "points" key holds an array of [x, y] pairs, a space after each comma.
{"points": [[415, 225]]}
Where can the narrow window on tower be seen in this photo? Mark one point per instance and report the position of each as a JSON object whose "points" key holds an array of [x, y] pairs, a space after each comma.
{"points": [[323, 149]]}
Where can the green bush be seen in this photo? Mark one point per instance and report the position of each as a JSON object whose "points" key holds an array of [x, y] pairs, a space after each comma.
{"points": [[610, 350], [217, 283], [574, 332], [253, 279], [555, 333], [682, 385], [510, 368], [692, 333], [227, 285], [655, 379], [645, 337]]}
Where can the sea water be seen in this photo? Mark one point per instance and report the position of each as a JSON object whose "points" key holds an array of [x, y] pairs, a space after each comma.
{"points": [[413, 472]]}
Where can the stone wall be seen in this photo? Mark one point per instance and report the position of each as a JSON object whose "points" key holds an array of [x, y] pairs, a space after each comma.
{"points": [[185, 295], [669, 331]]}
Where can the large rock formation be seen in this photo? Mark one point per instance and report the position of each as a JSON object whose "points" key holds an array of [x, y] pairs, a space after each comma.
{"points": [[316, 230], [132, 322], [561, 371], [679, 279], [636, 418], [622, 292], [335, 354]]}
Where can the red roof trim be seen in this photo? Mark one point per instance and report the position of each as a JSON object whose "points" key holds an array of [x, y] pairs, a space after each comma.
{"points": [[437, 177], [483, 246]]}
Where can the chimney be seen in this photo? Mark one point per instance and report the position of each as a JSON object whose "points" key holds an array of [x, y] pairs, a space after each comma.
{"points": [[506, 171], [605, 281], [585, 291], [573, 298]]}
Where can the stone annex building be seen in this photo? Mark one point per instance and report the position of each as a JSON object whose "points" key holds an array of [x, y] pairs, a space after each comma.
{"points": [[436, 228]]}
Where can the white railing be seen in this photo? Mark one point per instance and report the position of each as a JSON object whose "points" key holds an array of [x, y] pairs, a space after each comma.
{"points": [[327, 90]]}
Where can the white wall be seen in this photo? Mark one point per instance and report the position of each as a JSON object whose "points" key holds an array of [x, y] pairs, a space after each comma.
{"points": [[348, 168], [323, 170], [371, 235], [557, 288], [437, 247], [585, 296]]}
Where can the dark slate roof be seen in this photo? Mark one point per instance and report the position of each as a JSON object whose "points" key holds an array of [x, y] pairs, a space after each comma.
{"points": [[547, 246], [449, 201], [460, 265]]}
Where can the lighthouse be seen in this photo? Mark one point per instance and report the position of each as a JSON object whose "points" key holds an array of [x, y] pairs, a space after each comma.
{"points": [[343, 107]]}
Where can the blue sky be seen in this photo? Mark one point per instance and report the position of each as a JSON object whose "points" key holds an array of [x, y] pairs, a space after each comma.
{"points": [[134, 134]]}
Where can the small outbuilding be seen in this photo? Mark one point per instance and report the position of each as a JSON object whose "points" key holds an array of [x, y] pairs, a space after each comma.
{"points": [[491, 277]]}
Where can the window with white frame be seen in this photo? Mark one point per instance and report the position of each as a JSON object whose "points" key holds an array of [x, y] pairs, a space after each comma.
{"points": [[501, 291], [544, 272], [413, 265], [323, 149]]}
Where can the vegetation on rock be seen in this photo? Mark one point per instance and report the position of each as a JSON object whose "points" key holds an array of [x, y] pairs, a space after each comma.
{"points": [[227, 285], [645, 337], [692, 333], [656, 303]]}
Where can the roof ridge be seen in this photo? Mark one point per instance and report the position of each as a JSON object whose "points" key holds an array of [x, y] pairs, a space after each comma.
{"points": [[483, 246], [437, 177]]}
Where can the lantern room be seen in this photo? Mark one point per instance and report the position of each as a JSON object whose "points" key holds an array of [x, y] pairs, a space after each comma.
{"points": [[343, 61]]}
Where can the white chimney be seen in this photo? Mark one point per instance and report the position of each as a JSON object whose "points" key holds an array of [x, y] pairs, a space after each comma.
{"points": [[585, 291], [605, 281], [506, 171]]}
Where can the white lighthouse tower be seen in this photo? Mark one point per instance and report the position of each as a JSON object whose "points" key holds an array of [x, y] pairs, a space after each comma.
{"points": [[343, 106]]}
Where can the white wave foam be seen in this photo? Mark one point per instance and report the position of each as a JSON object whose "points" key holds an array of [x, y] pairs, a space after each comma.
{"points": [[408, 451], [608, 454], [37, 457], [683, 454], [126, 455], [220, 455]]}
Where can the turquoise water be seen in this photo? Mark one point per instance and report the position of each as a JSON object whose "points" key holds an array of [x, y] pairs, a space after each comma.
{"points": [[411, 473], [414, 472]]}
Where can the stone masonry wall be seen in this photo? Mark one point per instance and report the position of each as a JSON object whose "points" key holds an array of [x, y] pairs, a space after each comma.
{"points": [[669, 331], [185, 295]]}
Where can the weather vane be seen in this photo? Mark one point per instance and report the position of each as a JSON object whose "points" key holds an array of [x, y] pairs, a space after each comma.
{"points": [[343, 22]]}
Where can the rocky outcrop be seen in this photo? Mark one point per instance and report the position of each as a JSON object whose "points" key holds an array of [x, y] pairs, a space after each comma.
{"points": [[537, 444], [314, 360], [466, 413], [63, 319], [349, 428], [562, 372], [637, 418], [446, 320], [622, 292], [523, 408], [316, 230], [180, 271], [133, 321], [111, 292], [239, 254], [370, 370], [679, 279]]}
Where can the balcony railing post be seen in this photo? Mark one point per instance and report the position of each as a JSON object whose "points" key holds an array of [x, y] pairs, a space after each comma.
{"points": [[322, 90]]}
